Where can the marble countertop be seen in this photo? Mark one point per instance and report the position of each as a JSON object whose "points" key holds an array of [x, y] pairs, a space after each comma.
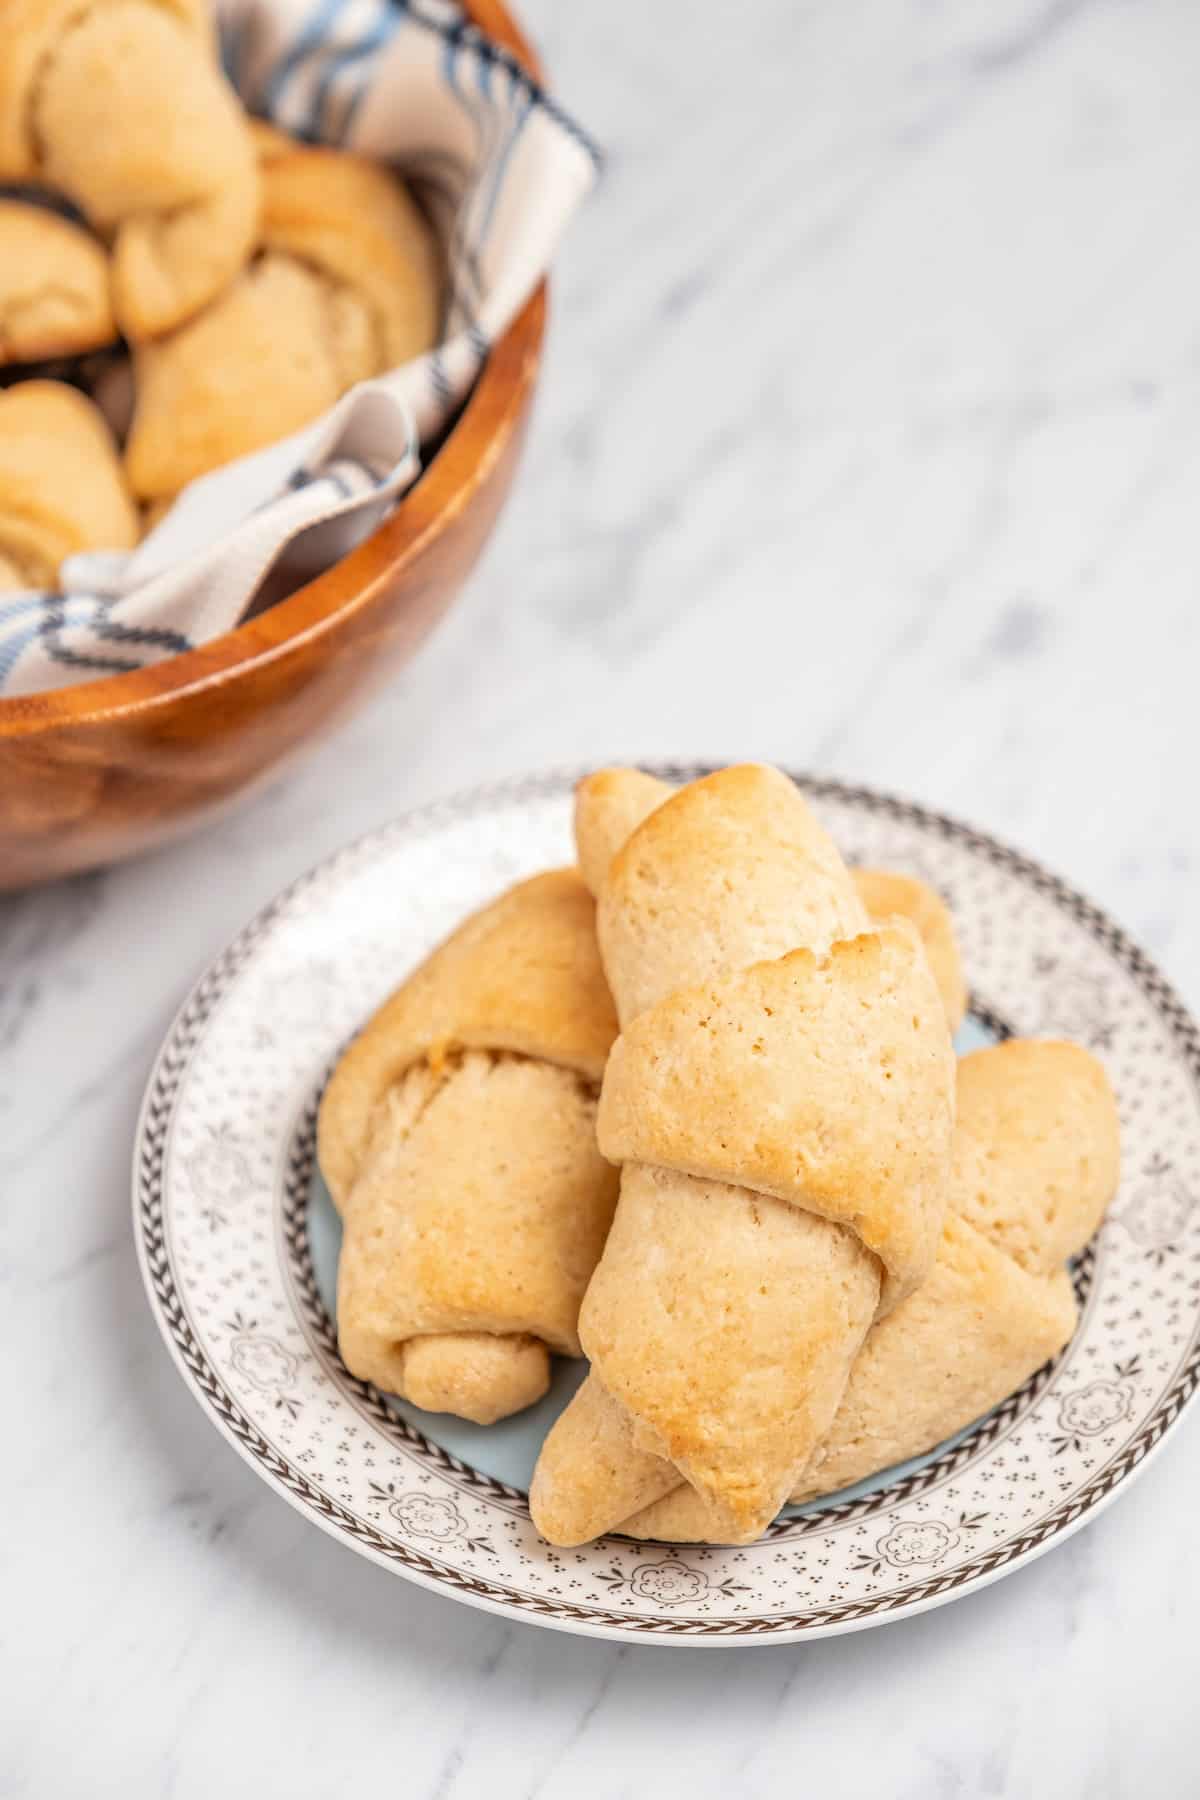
{"points": [[869, 442]]}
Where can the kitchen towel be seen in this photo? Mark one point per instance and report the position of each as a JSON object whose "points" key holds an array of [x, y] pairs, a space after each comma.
{"points": [[501, 169]]}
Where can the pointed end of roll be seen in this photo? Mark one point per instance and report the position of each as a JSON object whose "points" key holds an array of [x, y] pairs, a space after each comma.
{"points": [[565, 1496], [553, 1512], [590, 1474], [609, 807]]}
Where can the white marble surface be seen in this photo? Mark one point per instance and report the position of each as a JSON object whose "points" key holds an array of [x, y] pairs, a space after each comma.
{"points": [[869, 441]]}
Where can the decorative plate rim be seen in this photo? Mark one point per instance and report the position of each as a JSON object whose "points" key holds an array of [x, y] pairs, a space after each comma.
{"points": [[216, 1402]]}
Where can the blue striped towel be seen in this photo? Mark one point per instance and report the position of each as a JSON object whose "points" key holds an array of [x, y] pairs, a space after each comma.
{"points": [[502, 169]]}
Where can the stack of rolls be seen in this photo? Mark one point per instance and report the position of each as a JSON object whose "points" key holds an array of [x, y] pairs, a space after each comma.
{"points": [[797, 1241]]}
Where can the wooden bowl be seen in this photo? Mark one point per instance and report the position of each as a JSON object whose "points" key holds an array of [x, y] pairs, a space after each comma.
{"points": [[94, 773]]}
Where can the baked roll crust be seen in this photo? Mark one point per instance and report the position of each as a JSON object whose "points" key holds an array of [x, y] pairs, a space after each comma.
{"points": [[61, 487], [781, 1101], [346, 286], [457, 1138], [54, 298], [1036, 1162], [120, 105]]}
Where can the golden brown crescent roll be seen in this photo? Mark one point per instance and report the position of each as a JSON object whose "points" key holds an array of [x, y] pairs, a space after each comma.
{"points": [[53, 286], [61, 488], [120, 105], [346, 287], [613, 802], [780, 1101], [268, 357], [1036, 1160], [357, 223], [457, 1137]]}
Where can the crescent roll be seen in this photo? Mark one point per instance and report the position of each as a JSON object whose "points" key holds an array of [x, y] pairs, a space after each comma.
{"points": [[457, 1138], [345, 286], [53, 286], [780, 1102], [61, 488], [611, 804], [1036, 1159]]}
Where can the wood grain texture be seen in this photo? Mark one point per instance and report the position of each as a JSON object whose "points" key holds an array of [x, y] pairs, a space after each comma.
{"points": [[94, 773]]}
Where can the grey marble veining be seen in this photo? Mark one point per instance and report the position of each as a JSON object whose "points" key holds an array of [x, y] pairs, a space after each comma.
{"points": [[868, 441]]}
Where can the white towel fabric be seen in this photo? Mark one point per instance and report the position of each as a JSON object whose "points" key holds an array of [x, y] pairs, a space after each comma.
{"points": [[502, 169]]}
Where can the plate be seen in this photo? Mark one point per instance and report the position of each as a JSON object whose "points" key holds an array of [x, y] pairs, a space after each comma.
{"points": [[238, 1247]]}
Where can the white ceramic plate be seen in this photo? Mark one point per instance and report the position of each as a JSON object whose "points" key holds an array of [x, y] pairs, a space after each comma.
{"points": [[238, 1246]]}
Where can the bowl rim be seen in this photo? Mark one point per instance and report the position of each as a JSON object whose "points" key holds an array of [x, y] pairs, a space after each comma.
{"points": [[472, 446]]}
